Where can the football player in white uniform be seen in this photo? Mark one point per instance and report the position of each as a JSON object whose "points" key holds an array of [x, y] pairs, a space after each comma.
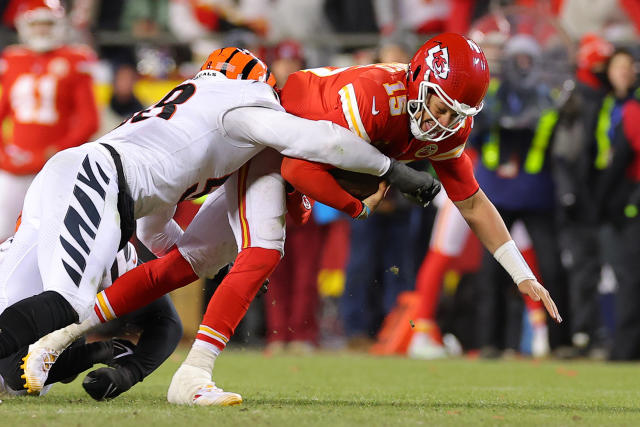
{"points": [[160, 331], [81, 208]]}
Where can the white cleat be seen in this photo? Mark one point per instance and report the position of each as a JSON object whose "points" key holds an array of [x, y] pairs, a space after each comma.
{"points": [[43, 354], [36, 367], [422, 346], [191, 385]]}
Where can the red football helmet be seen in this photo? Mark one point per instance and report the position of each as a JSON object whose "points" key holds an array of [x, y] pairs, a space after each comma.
{"points": [[454, 69], [40, 24], [236, 63], [593, 51]]}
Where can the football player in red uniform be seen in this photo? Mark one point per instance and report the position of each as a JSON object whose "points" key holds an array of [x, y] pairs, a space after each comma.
{"points": [[47, 94], [436, 98]]}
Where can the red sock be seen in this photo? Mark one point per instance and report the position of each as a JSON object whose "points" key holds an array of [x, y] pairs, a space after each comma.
{"points": [[529, 256], [232, 298], [429, 283], [144, 284]]}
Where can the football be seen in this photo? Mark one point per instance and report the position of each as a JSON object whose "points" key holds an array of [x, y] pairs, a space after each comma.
{"points": [[359, 185]]}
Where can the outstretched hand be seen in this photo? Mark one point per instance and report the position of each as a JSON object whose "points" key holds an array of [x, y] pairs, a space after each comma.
{"points": [[538, 292]]}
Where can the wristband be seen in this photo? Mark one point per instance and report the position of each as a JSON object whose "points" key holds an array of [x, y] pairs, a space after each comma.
{"points": [[511, 260], [365, 212]]}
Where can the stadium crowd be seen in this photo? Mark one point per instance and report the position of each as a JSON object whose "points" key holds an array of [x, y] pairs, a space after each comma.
{"points": [[555, 148]]}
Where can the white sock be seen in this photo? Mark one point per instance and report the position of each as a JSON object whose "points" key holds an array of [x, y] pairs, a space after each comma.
{"points": [[202, 355]]}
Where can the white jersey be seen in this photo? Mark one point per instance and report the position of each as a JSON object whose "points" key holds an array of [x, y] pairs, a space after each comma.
{"points": [[178, 150], [206, 128]]}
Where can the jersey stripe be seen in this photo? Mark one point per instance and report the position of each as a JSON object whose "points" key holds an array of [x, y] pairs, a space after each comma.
{"points": [[212, 333], [451, 154], [99, 314], [352, 112], [242, 205], [105, 307]]}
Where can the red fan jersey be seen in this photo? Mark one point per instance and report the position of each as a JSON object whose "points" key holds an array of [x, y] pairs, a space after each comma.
{"points": [[49, 98], [371, 101]]}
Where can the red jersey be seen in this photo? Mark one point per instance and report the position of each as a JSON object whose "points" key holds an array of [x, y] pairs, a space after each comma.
{"points": [[371, 101], [49, 98]]}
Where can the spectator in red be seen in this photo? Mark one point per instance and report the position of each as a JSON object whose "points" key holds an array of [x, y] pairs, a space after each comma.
{"points": [[47, 93]]}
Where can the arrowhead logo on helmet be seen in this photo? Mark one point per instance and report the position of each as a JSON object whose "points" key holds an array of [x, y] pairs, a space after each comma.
{"points": [[438, 60]]}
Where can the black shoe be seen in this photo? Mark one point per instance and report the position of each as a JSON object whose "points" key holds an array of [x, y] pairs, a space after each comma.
{"points": [[107, 383]]}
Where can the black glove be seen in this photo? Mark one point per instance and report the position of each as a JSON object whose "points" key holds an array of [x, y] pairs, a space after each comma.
{"points": [[424, 195], [418, 186]]}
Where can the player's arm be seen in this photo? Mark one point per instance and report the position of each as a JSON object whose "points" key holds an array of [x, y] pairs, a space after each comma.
{"points": [[299, 207], [313, 180], [159, 232], [85, 111], [318, 141], [484, 220]]}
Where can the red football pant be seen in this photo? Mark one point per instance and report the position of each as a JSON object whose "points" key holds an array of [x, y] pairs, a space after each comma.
{"points": [[232, 298], [143, 285]]}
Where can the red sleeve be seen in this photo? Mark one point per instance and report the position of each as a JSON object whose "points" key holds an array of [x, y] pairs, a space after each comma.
{"points": [[457, 177], [313, 180], [86, 119], [299, 207]]}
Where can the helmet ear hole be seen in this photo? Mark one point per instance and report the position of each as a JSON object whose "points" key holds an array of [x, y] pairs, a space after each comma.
{"points": [[416, 73]]}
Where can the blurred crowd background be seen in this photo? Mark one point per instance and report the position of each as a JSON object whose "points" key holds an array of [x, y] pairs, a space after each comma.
{"points": [[552, 152]]}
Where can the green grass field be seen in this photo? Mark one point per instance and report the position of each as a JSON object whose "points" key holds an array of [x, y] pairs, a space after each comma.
{"points": [[346, 390]]}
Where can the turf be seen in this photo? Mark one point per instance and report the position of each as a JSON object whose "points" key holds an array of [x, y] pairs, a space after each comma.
{"points": [[346, 390]]}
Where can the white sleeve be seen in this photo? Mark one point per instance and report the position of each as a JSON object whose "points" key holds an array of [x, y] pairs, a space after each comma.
{"points": [[159, 231], [318, 141]]}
